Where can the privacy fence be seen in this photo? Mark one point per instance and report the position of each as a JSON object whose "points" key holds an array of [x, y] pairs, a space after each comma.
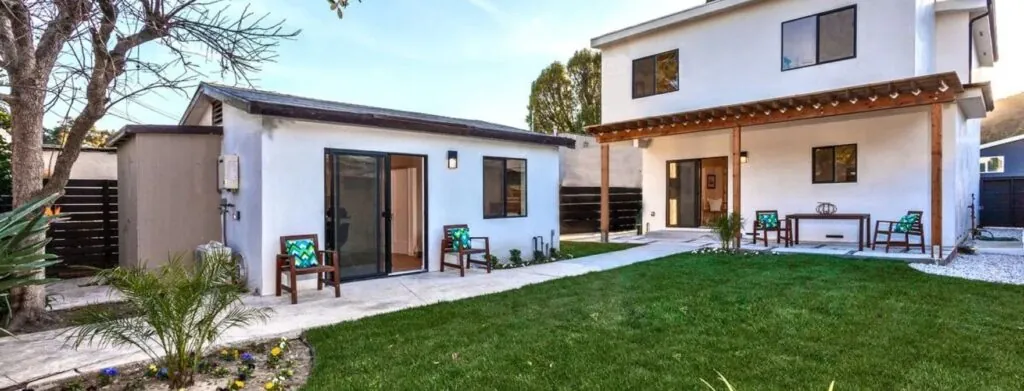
{"points": [[581, 209], [86, 234]]}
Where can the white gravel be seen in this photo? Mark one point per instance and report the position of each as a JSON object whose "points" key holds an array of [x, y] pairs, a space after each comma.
{"points": [[1001, 268]]}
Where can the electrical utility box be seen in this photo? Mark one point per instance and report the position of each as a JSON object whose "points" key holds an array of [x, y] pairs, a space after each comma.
{"points": [[227, 172]]}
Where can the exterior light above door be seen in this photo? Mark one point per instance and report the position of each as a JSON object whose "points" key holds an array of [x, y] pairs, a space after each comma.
{"points": [[453, 160]]}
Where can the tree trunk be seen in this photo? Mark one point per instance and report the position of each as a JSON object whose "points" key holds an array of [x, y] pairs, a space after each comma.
{"points": [[27, 303]]}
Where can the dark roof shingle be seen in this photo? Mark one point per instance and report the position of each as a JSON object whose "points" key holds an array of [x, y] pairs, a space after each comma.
{"points": [[290, 106]]}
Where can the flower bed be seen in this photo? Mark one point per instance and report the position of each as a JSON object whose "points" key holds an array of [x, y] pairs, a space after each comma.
{"points": [[277, 365]]}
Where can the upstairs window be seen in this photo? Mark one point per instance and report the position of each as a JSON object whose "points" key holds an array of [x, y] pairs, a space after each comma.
{"points": [[992, 164], [657, 74], [818, 39]]}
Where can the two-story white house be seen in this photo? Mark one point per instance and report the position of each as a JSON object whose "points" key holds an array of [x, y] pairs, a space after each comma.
{"points": [[753, 105]]}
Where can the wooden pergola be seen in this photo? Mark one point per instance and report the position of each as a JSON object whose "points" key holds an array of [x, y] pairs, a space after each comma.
{"points": [[934, 90]]}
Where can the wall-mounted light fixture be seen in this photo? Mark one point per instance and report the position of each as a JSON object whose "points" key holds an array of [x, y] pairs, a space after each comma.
{"points": [[743, 156], [453, 160]]}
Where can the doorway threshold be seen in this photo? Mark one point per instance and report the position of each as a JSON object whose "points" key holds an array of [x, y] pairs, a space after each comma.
{"points": [[698, 229], [406, 273]]}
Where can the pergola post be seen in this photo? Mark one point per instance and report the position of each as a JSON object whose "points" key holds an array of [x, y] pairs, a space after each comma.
{"points": [[736, 168], [605, 198], [936, 165]]}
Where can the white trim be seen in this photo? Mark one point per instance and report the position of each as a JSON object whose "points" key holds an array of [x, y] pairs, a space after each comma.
{"points": [[687, 15], [961, 6], [1003, 141]]}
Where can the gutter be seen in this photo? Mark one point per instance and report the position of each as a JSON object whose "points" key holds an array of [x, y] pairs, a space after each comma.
{"points": [[970, 43]]}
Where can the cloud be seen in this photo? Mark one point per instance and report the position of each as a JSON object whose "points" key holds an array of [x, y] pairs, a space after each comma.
{"points": [[488, 7]]}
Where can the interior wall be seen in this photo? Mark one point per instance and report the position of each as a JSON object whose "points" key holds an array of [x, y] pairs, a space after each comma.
{"points": [[407, 204], [714, 183]]}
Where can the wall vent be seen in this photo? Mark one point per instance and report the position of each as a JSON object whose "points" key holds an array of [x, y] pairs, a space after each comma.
{"points": [[216, 113], [834, 236]]}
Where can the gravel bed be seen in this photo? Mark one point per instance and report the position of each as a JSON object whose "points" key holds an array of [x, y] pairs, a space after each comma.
{"points": [[1001, 268]]}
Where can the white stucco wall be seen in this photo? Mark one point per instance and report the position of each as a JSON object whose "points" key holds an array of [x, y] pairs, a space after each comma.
{"points": [[961, 180], [582, 166], [286, 158], [924, 37], [243, 136], [91, 164], [952, 48], [736, 57], [893, 169]]}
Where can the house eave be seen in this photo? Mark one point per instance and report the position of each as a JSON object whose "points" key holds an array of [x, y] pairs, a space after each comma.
{"points": [[667, 21]]}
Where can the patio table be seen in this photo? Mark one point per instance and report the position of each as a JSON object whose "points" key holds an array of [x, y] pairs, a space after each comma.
{"points": [[863, 227]]}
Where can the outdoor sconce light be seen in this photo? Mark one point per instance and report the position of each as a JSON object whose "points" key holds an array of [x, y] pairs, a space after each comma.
{"points": [[453, 160], [743, 157]]}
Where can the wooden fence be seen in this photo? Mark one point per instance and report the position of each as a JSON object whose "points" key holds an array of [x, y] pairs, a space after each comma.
{"points": [[580, 208], [86, 235]]}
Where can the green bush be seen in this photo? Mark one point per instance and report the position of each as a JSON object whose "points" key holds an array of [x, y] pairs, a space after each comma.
{"points": [[184, 308], [728, 227], [515, 257], [22, 243]]}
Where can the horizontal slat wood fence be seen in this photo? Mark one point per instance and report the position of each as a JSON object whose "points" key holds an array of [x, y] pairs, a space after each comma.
{"points": [[86, 234], [580, 208]]}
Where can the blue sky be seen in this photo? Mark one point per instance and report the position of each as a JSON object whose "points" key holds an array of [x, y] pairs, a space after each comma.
{"points": [[463, 58]]}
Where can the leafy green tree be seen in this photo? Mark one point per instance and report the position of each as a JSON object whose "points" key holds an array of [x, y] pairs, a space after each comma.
{"points": [[566, 98], [58, 135]]}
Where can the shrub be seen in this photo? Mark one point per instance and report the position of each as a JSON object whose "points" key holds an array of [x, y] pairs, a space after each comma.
{"points": [[22, 244], [184, 309], [515, 257], [728, 227], [538, 257]]}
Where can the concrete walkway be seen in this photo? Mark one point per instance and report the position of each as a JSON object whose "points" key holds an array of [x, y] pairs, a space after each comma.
{"points": [[42, 357]]}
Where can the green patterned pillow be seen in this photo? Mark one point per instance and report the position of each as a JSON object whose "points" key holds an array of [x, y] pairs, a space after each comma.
{"points": [[906, 223], [459, 238], [304, 252], [768, 220]]}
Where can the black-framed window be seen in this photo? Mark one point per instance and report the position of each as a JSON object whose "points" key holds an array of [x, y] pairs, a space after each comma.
{"points": [[657, 74], [819, 39], [834, 164], [504, 187]]}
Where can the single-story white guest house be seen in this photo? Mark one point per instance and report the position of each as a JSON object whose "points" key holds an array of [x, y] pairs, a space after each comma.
{"points": [[377, 185]]}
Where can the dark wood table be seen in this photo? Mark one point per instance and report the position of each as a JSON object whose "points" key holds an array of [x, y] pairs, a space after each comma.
{"points": [[863, 227]]}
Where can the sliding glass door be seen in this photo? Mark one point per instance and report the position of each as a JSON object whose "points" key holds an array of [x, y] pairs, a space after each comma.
{"points": [[357, 212]]}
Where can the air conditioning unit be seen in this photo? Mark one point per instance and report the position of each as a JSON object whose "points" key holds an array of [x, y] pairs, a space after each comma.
{"points": [[642, 143]]}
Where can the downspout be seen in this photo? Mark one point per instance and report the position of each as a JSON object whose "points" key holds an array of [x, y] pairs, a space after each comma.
{"points": [[970, 45]]}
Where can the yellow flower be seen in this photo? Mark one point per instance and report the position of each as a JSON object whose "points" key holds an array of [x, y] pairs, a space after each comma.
{"points": [[269, 385], [239, 384], [276, 351]]}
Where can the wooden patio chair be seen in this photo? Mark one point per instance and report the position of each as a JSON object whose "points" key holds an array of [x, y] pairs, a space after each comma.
{"points": [[457, 241], [907, 226], [768, 221], [301, 254]]}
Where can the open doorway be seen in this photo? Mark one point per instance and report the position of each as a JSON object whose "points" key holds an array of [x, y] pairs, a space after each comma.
{"points": [[696, 191], [407, 213]]}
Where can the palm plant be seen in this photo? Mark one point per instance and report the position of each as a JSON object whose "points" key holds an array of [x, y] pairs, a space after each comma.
{"points": [[22, 243], [184, 309], [728, 228]]}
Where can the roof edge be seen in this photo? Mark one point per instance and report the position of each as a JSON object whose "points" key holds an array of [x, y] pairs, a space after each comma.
{"points": [[128, 131], [1003, 141], [693, 13]]}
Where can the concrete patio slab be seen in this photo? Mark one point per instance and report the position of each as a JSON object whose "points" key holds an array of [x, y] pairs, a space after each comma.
{"points": [[42, 357]]}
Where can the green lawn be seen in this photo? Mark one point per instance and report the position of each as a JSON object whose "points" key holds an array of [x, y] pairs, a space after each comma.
{"points": [[582, 249], [765, 322]]}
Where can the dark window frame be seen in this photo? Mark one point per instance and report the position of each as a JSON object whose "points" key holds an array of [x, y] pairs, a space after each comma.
{"points": [[814, 163], [654, 62], [817, 38], [504, 187]]}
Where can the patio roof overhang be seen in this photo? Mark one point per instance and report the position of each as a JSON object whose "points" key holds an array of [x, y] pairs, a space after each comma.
{"points": [[915, 91]]}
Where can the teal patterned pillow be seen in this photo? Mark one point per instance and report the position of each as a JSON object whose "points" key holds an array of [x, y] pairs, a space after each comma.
{"points": [[304, 252], [459, 238], [768, 220], [906, 223]]}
